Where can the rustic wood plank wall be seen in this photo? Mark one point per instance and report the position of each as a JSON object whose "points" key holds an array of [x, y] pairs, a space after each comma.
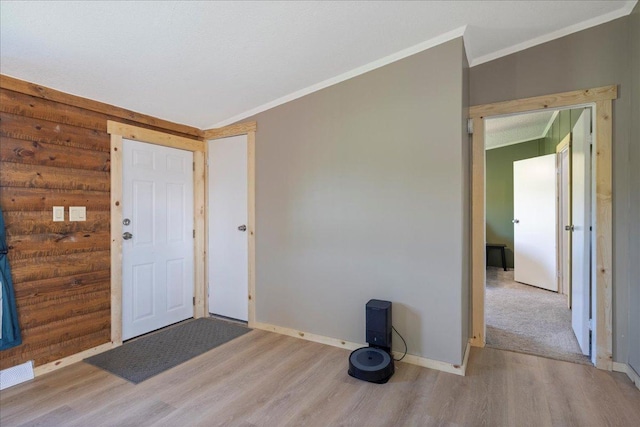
{"points": [[54, 151]]}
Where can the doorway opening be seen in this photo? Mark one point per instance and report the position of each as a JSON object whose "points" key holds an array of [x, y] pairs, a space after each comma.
{"points": [[528, 206], [601, 250]]}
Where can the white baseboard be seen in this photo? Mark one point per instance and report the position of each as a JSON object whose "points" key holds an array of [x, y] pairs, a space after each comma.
{"points": [[335, 342], [16, 375], [626, 369], [74, 358]]}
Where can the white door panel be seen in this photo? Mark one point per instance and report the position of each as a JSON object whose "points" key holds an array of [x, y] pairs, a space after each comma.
{"points": [[228, 246], [580, 236], [157, 261], [534, 207]]}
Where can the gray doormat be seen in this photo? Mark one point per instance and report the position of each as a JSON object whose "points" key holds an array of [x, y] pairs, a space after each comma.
{"points": [[144, 357]]}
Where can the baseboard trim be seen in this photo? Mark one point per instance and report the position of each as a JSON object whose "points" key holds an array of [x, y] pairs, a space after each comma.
{"points": [[626, 369], [74, 358], [349, 345]]}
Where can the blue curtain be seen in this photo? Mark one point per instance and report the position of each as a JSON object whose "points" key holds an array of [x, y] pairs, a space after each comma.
{"points": [[10, 329]]}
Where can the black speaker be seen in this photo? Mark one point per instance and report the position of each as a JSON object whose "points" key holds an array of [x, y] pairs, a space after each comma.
{"points": [[378, 324]]}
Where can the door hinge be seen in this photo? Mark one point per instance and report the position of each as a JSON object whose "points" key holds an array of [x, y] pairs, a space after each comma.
{"points": [[194, 234], [470, 126], [194, 300]]}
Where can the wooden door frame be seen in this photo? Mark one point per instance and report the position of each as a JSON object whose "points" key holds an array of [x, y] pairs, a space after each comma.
{"points": [[602, 98], [118, 132], [249, 129]]}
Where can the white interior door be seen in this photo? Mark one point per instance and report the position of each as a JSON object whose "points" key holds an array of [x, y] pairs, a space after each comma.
{"points": [[534, 224], [564, 220], [157, 257], [580, 234], [228, 242]]}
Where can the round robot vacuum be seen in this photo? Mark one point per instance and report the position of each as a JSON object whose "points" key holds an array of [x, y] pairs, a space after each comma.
{"points": [[371, 364]]}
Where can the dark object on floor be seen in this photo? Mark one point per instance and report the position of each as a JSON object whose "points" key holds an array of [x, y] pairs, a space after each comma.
{"points": [[144, 357], [374, 363], [500, 246]]}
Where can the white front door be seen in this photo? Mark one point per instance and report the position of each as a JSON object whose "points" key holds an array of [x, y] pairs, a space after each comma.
{"points": [[157, 254], [228, 241], [534, 223], [580, 234]]}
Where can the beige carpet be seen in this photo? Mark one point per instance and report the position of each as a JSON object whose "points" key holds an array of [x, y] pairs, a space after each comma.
{"points": [[528, 320]]}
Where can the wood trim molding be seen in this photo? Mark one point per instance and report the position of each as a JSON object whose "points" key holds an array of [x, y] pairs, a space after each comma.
{"points": [[603, 117], [603, 236], [348, 345], [231, 130], [565, 99], [21, 86], [626, 369], [116, 239], [154, 137], [199, 225], [251, 219], [478, 247], [74, 358], [565, 143]]}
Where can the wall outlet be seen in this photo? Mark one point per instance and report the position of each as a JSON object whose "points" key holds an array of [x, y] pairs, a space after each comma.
{"points": [[77, 213], [58, 214]]}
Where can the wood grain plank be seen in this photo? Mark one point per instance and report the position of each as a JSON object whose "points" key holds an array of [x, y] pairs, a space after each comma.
{"points": [[68, 329], [39, 199], [39, 222], [36, 312], [19, 127], [231, 130], [43, 92], [24, 270], [478, 234], [604, 236], [564, 99], [42, 353], [245, 382], [31, 106], [21, 104], [159, 138], [49, 244], [93, 281], [42, 153], [37, 176]]}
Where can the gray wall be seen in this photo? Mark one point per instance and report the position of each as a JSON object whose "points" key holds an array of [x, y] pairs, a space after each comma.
{"points": [[594, 57], [634, 211], [362, 192]]}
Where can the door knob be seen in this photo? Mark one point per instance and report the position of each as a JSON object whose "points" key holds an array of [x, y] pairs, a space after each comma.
{"points": [[515, 221], [127, 235], [242, 228]]}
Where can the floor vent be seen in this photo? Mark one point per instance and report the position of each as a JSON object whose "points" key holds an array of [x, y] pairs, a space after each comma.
{"points": [[16, 375]]}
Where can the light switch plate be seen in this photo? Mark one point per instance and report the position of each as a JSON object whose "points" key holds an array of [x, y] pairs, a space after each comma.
{"points": [[77, 213], [58, 214]]}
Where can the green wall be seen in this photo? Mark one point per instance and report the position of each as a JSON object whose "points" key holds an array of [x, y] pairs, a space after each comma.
{"points": [[499, 181]]}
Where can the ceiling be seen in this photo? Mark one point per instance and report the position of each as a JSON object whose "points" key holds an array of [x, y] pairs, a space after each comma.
{"points": [[208, 64], [508, 130]]}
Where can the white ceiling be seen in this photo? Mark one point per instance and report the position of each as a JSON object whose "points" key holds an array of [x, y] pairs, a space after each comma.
{"points": [[508, 130], [208, 64]]}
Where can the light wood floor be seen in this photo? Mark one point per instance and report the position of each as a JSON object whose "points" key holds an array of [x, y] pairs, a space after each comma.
{"points": [[265, 379]]}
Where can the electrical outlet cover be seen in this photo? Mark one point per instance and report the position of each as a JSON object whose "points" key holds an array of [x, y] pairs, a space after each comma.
{"points": [[58, 213], [77, 213]]}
